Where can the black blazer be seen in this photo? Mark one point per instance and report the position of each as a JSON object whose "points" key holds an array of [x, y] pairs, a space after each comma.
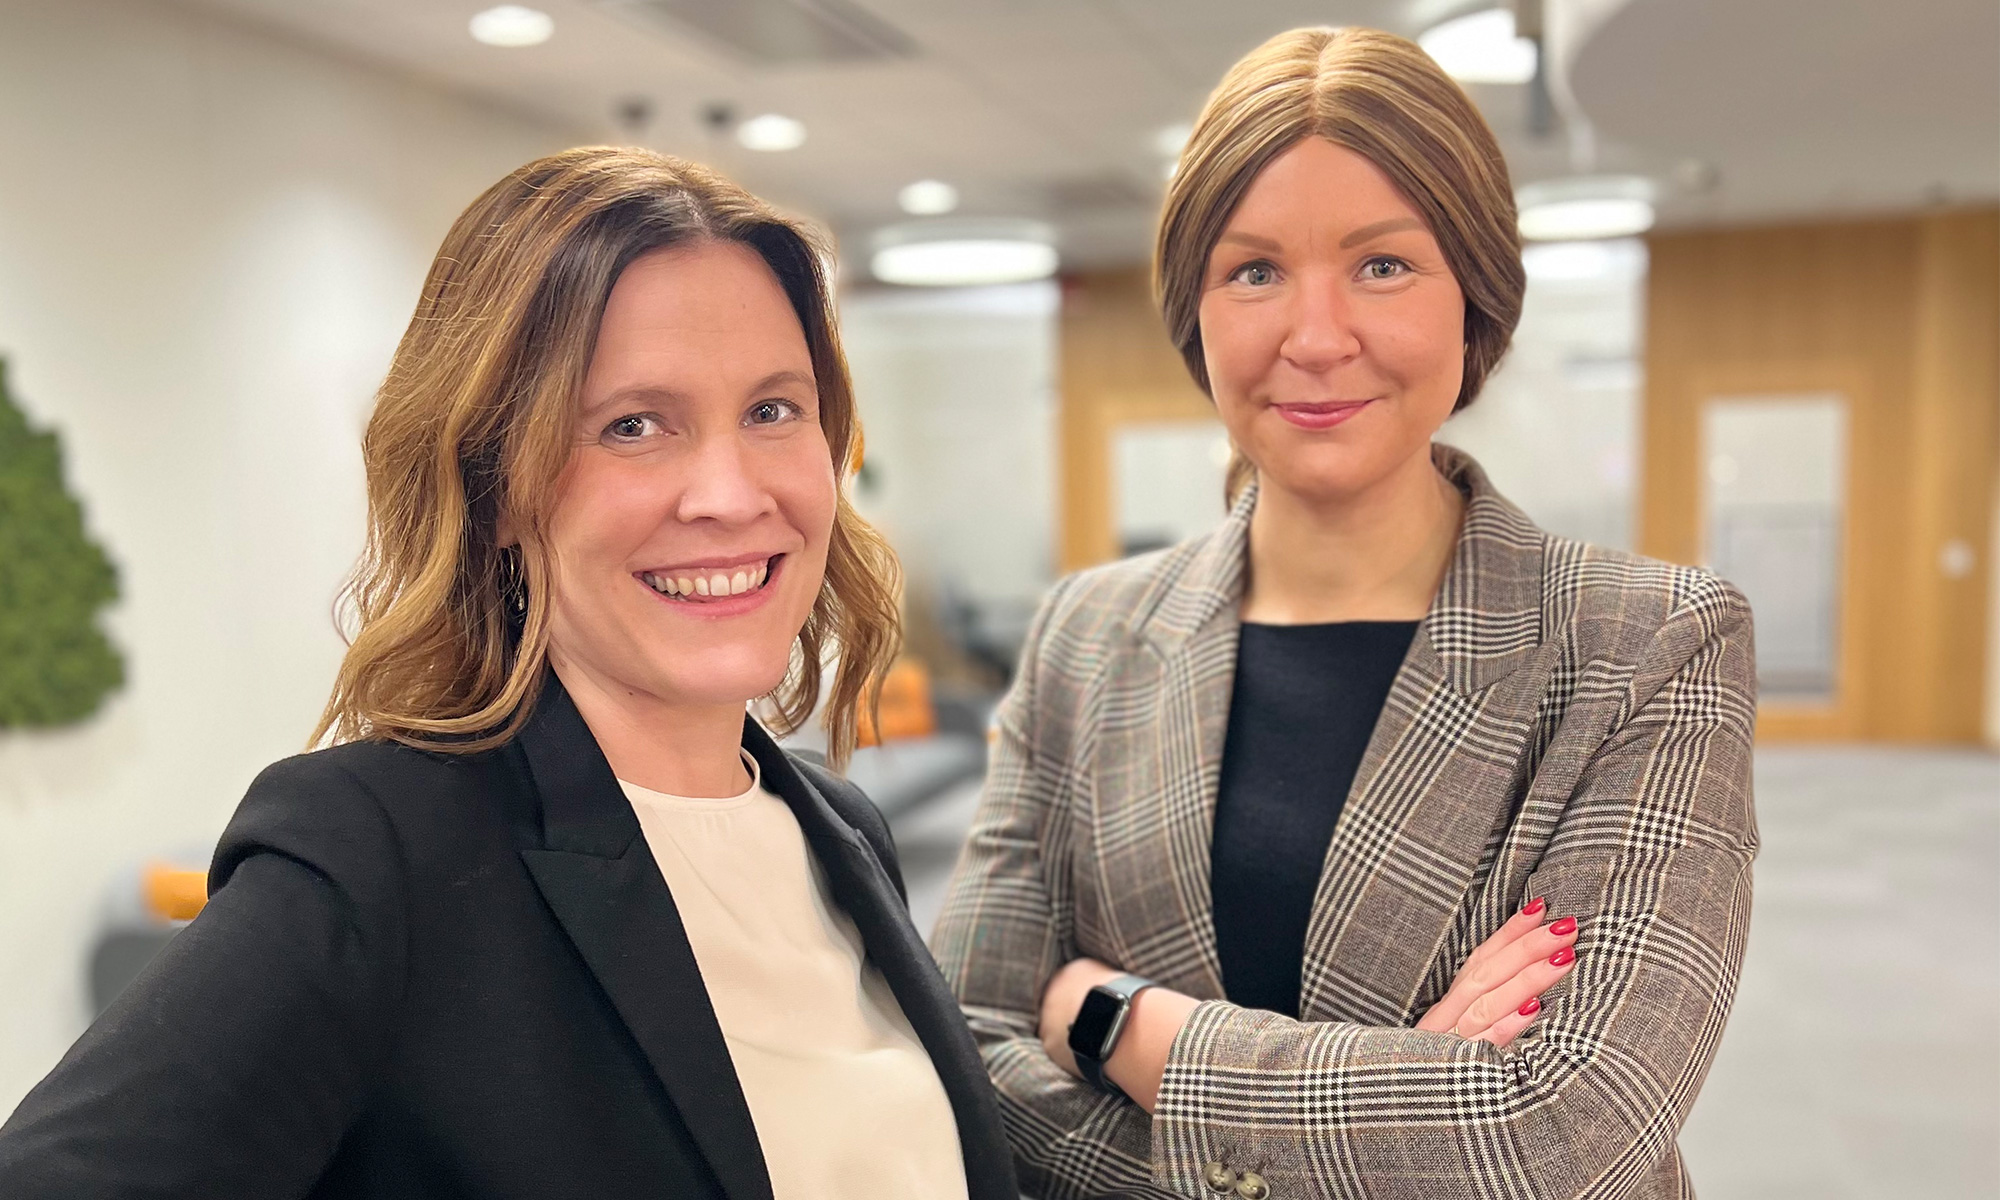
{"points": [[437, 975]]}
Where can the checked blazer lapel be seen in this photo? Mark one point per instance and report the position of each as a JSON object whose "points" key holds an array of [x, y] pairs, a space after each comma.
{"points": [[604, 886], [1438, 781], [1157, 759]]}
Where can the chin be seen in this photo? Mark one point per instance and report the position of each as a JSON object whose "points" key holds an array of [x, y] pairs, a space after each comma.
{"points": [[1326, 472], [722, 683]]}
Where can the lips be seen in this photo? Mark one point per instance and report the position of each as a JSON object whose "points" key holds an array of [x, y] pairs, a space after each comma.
{"points": [[1323, 414], [699, 585]]}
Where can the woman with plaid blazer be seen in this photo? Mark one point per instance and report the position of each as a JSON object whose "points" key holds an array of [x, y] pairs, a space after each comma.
{"points": [[1569, 732]]}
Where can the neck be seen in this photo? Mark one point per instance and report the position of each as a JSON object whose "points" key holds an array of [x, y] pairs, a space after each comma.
{"points": [[1375, 555], [680, 749]]}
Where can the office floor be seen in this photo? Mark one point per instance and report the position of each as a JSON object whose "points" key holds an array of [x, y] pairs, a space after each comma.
{"points": [[1862, 1061]]}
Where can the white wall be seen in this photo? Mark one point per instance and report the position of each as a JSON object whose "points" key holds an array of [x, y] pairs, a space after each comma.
{"points": [[1557, 426], [957, 395], [209, 242]]}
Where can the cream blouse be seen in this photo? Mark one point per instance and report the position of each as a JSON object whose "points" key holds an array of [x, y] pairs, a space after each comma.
{"points": [[846, 1101]]}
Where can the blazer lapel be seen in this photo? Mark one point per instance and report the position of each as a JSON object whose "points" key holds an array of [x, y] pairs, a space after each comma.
{"points": [[601, 881], [1158, 754], [862, 888], [1437, 782]]}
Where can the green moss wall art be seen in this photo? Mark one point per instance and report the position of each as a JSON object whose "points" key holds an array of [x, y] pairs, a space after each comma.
{"points": [[56, 666]]}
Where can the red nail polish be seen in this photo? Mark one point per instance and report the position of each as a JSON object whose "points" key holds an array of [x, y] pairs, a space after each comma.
{"points": [[1563, 957], [1564, 927], [1533, 906], [1533, 1006]]}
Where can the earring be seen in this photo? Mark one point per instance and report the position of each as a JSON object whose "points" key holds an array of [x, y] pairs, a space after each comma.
{"points": [[513, 588]]}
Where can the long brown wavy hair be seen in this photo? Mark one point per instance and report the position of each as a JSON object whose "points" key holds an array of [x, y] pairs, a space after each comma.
{"points": [[449, 628], [1382, 97]]}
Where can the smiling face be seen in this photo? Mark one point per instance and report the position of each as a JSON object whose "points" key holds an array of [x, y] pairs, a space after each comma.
{"points": [[689, 536], [1331, 325]]}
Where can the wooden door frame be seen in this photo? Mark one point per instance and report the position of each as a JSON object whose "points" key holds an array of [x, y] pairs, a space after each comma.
{"points": [[1090, 522], [1843, 718]]}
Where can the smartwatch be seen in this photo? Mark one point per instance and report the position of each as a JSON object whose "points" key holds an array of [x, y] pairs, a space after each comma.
{"points": [[1094, 1033]]}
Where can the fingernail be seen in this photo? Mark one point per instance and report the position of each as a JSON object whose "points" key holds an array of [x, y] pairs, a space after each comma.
{"points": [[1564, 927], [1563, 957], [1533, 906], [1533, 1006]]}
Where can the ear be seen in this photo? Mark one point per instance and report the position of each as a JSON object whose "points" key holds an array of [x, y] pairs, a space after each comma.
{"points": [[503, 533]]}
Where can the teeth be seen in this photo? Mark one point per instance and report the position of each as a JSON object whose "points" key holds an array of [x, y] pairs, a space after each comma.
{"points": [[717, 584]]}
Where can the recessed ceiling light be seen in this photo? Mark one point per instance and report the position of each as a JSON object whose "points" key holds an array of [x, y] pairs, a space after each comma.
{"points": [[964, 254], [1481, 47], [1620, 259], [1585, 208], [928, 198], [512, 25], [771, 132]]}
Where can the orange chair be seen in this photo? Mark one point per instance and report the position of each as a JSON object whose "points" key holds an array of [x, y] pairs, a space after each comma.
{"points": [[905, 710]]}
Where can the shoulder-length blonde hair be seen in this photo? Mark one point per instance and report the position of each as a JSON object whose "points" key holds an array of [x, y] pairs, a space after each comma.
{"points": [[472, 429], [1385, 99]]}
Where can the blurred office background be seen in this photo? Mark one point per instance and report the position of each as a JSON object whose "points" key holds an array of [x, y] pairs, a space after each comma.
{"points": [[1762, 332]]}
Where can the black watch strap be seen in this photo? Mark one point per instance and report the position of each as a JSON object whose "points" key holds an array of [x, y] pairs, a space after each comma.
{"points": [[1090, 1059]]}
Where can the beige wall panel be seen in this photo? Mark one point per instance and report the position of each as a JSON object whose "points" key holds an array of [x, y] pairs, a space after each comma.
{"points": [[1903, 316]]}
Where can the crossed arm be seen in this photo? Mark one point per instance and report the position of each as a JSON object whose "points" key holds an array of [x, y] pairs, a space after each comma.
{"points": [[1652, 853]]}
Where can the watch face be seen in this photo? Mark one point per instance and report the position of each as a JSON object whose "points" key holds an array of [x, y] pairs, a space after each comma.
{"points": [[1093, 1023]]}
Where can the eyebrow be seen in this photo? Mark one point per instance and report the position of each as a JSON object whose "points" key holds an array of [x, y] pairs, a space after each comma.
{"points": [[1251, 240], [1392, 225], [639, 393], [1366, 232], [777, 377]]}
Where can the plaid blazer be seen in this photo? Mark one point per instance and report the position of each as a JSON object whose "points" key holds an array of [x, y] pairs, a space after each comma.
{"points": [[1569, 722]]}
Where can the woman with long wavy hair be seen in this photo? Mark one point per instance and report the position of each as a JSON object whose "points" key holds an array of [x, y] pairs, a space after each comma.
{"points": [[552, 916]]}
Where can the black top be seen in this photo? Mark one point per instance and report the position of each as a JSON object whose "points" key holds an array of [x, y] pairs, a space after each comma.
{"points": [[1303, 706], [432, 975]]}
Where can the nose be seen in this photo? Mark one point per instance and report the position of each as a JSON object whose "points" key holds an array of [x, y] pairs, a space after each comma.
{"points": [[1321, 333], [722, 484]]}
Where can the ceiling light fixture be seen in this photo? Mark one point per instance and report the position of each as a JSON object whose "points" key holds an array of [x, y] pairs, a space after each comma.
{"points": [[1481, 47], [512, 25], [964, 254], [1170, 140], [1612, 259], [928, 198], [771, 133], [1585, 208]]}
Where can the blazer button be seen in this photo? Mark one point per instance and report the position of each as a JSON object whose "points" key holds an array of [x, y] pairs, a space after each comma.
{"points": [[1220, 1179], [1251, 1186]]}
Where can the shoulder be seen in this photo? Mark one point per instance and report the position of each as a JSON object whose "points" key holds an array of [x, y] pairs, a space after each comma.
{"points": [[1616, 598], [1105, 604], [1634, 624], [353, 807]]}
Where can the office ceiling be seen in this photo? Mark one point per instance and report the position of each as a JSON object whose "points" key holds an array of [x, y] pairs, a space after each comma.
{"points": [[1049, 109]]}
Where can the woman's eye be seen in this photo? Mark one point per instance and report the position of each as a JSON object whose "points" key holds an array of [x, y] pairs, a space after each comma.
{"points": [[630, 428], [1256, 274], [1384, 268], [770, 412]]}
